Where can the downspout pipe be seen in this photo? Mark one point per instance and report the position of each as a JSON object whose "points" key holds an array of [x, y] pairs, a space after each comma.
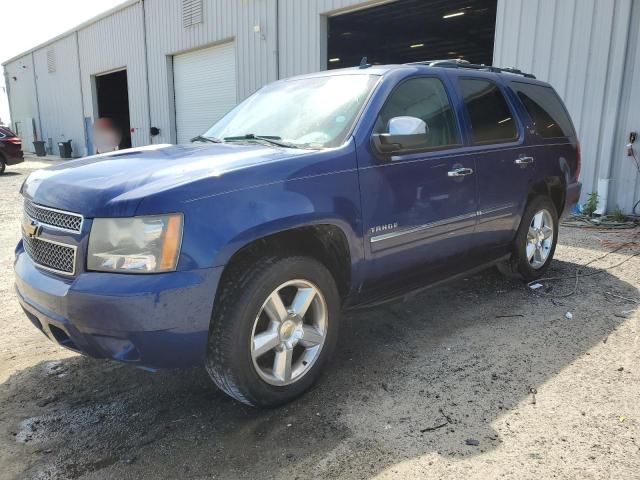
{"points": [[84, 123], [277, 39], [146, 68], [40, 135]]}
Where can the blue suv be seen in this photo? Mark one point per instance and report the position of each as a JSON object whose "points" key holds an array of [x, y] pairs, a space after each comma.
{"points": [[318, 193]]}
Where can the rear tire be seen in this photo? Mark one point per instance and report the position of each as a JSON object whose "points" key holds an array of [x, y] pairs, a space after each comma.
{"points": [[3, 165], [274, 326], [535, 241]]}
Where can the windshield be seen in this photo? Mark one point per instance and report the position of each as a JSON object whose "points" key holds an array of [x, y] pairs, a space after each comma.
{"points": [[311, 113]]}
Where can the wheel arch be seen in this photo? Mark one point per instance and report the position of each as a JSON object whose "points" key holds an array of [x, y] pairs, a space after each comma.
{"points": [[552, 187], [323, 241]]}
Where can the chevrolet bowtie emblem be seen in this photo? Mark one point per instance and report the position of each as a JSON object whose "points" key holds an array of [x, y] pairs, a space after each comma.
{"points": [[31, 228]]}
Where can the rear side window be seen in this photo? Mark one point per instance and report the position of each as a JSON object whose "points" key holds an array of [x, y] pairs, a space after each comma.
{"points": [[546, 110], [426, 99], [491, 118], [5, 132]]}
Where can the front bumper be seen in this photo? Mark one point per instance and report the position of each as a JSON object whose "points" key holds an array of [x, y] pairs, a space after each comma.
{"points": [[156, 321], [571, 199]]}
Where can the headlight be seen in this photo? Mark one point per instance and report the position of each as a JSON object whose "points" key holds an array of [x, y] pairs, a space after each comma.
{"points": [[135, 245]]}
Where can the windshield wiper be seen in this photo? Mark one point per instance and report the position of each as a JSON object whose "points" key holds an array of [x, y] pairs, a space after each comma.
{"points": [[273, 140], [200, 138]]}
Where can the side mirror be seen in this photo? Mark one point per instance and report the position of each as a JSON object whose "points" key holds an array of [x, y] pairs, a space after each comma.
{"points": [[407, 126], [405, 133]]}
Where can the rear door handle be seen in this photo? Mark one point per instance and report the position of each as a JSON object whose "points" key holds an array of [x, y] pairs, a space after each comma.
{"points": [[524, 160], [460, 172]]}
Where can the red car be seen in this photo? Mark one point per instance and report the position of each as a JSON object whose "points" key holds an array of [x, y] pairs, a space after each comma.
{"points": [[10, 149]]}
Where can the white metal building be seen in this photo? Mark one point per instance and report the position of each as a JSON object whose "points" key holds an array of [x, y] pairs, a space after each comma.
{"points": [[179, 65]]}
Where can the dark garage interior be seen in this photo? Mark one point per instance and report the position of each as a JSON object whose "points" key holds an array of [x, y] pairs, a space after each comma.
{"points": [[113, 102], [413, 30]]}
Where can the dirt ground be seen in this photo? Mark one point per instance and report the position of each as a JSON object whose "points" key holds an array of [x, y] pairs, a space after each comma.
{"points": [[435, 386]]}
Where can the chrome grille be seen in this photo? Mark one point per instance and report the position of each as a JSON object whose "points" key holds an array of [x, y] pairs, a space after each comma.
{"points": [[51, 256], [55, 218]]}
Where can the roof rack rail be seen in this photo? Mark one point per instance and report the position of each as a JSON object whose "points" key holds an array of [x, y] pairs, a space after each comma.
{"points": [[459, 63]]}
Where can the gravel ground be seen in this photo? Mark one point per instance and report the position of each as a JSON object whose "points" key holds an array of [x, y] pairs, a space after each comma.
{"points": [[436, 386]]}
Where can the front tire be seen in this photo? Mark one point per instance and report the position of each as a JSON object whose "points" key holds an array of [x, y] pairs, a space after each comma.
{"points": [[535, 242], [274, 326]]}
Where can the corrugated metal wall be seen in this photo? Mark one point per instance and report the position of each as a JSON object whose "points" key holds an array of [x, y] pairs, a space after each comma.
{"points": [[581, 47], [114, 43], [587, 49], [22, 98], [59, 94], [223, 21], [625, 191]]}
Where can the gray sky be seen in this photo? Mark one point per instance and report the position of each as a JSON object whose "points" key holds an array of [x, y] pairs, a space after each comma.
{"points": [[31, 22]]}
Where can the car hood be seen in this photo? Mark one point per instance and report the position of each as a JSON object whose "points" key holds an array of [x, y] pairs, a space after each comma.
{"points": [[114, 184]]}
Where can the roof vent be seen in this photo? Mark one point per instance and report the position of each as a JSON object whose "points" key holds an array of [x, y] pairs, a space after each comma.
{"points": [[51, 60], [191, 12]]}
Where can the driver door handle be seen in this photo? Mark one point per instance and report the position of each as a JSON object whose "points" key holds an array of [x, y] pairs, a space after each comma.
{"points": [[460, 172], [524, 160]]}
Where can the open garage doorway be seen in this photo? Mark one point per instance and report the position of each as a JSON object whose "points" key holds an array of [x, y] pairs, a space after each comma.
{"points": [[413, 30], [112, 94]]}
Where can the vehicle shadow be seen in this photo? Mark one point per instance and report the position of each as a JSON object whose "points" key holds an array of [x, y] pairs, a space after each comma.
{"points": [[10, 174], [412, 377]]}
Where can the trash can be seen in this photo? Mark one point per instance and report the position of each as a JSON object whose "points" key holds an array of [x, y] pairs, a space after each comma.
{"points": [[39, 146], [65, 149]]}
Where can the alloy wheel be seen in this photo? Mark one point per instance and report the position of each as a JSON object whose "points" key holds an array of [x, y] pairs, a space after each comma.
{"points": [[289, 332], [539, 239]]}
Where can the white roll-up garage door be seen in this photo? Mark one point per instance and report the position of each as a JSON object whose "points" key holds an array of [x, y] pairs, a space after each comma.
{"points": [[205, 88]]}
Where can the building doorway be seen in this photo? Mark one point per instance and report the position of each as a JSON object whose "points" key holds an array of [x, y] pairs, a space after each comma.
{"points": [[112, 94], [413, 30]]}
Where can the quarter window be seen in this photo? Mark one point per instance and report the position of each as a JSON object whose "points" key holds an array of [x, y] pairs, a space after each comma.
{"points": [[546, 110], [491, 118], [426, 99]]}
